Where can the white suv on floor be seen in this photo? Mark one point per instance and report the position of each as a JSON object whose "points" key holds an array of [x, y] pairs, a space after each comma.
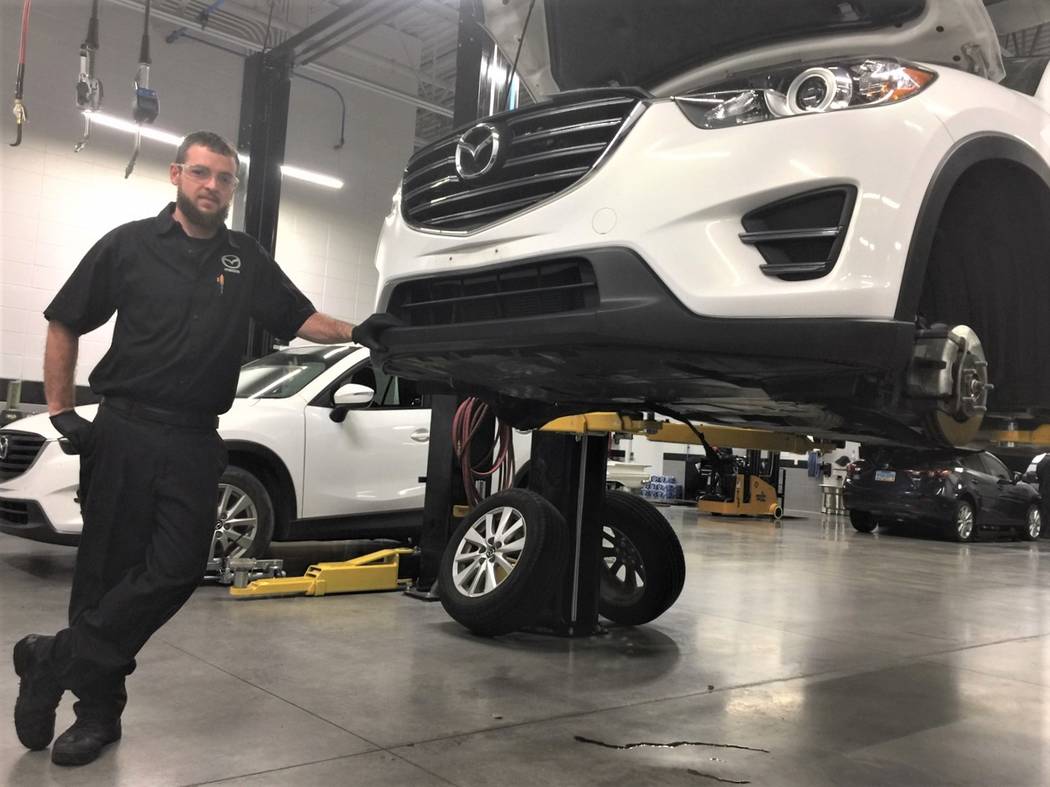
{"points": [[321, 445], [803, 215]]}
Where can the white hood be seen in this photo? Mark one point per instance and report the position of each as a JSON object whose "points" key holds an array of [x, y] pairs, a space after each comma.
{"points": [[699, 42]]}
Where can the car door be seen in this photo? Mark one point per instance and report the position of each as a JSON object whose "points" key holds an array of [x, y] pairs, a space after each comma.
{"points": [[982, 485], [1011, 503], [372, 460]]}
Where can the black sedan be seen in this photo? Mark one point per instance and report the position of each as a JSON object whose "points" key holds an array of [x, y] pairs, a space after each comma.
{"points": [[959, 493]]}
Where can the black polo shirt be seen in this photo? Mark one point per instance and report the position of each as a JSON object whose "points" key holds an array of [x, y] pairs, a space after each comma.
{"points": [[182, 311]]}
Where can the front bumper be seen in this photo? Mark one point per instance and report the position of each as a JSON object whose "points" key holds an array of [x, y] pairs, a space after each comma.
{"points": [[632, 343], [41, 503], [26, 519]]}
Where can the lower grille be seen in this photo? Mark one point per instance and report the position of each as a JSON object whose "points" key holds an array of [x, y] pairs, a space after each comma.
{"points": [[801, 237], [14, 512], [18, 450], [533, 290]]}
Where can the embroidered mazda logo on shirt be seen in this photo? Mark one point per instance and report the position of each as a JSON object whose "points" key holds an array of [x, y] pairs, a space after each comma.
{"points": [[477, 151], [231, 263]]}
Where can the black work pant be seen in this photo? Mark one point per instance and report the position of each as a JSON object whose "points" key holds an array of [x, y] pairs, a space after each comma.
{"points": [[148, 495]]}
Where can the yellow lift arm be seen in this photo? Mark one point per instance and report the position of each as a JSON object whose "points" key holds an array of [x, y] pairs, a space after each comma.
{"points": [[375, 571], [670, 432]]}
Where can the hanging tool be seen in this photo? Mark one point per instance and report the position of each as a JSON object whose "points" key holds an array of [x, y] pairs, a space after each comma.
{"points": [[145, 107], [20, 76], [89, 86]]}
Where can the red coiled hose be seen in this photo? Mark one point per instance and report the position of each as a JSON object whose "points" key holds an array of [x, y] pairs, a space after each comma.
{"points": [[469, 417]]}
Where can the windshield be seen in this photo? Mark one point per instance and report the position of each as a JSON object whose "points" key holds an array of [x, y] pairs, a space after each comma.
{"points": [[596, 43], [285, 373]]}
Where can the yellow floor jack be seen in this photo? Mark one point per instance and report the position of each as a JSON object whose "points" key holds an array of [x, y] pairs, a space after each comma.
{"points": [[374, 571]]}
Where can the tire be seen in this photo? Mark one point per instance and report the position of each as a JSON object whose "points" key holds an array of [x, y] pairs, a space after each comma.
{"points": [[963, 527], [1033, 526], [862, 521], [494, 590], [244, 516], [643, 568]]}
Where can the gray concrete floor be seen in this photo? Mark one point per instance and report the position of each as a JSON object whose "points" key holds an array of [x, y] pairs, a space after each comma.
{"points": [[837, 658]]}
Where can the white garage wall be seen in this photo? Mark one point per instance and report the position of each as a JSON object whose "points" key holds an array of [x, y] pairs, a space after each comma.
{"points": [[54, 204]]}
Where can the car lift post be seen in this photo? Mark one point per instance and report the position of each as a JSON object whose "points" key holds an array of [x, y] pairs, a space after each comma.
{"points": [[569, 471], [262, 133]]}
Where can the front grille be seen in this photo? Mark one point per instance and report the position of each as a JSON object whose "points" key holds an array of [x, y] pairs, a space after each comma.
{"points": [[532, 290], [22, 450], [14, 512], [544, 149]]}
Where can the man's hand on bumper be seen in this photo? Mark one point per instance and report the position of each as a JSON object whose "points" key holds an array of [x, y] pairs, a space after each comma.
{"points": [[368, 332]]}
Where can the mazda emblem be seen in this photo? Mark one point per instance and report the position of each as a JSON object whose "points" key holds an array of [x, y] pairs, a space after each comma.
{"points": [[477, 151], [5, 446]]}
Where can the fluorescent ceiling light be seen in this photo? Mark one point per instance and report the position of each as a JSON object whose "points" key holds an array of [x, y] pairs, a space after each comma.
{"points": [[311, 177], [149, 132]]}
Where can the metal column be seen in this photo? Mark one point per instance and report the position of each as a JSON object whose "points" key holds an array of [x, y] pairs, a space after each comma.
{"points": [[263, 130]]}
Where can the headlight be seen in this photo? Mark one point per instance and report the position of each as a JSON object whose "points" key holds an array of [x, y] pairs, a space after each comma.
{"points": [[788, 92]]}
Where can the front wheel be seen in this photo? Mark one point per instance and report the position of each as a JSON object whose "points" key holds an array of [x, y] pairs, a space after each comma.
{"points": [[244, 516], [1033, 523]]}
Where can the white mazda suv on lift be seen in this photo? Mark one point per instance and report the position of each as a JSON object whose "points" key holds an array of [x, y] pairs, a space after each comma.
{"points": [[821, 216]]}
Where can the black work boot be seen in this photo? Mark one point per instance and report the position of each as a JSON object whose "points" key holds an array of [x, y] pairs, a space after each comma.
{"points": [[84, 741], [38, 693]]}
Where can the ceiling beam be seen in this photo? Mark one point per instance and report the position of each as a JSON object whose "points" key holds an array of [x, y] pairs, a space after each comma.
{"points": [[315, 68]]}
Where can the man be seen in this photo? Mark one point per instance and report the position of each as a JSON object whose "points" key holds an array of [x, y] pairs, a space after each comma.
{"points": [[183, 287]]}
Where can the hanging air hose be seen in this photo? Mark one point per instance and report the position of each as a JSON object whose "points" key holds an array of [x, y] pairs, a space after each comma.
{"points": [[89, 86], [145, 107], [469, 417], [19, 108]]}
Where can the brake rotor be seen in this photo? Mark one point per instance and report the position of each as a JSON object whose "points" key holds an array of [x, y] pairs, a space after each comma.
{"points": [[957, 417]]}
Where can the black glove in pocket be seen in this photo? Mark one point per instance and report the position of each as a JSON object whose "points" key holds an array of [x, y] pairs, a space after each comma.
{"points": [[74, 429]]}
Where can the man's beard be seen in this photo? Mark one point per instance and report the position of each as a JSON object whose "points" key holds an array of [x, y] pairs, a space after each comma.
{"points": [[207, 221]]}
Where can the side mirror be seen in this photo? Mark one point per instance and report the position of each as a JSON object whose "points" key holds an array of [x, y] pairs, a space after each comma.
{"points": [[353, 395], [349, 396]]}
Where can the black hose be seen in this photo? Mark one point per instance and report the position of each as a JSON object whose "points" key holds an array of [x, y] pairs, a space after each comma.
{"points": [[517, 54], [144, 46], [175, 35], [91, 42], [679, 417], [342, 101]]}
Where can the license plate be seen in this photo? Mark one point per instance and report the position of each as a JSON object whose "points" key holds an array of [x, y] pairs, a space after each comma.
{"points": [[885, 475]]}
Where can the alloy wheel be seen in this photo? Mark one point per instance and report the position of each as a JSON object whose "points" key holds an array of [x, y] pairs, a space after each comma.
{"points": [[964, 521], [489, 551], [237, 523], [1034, 523]]}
